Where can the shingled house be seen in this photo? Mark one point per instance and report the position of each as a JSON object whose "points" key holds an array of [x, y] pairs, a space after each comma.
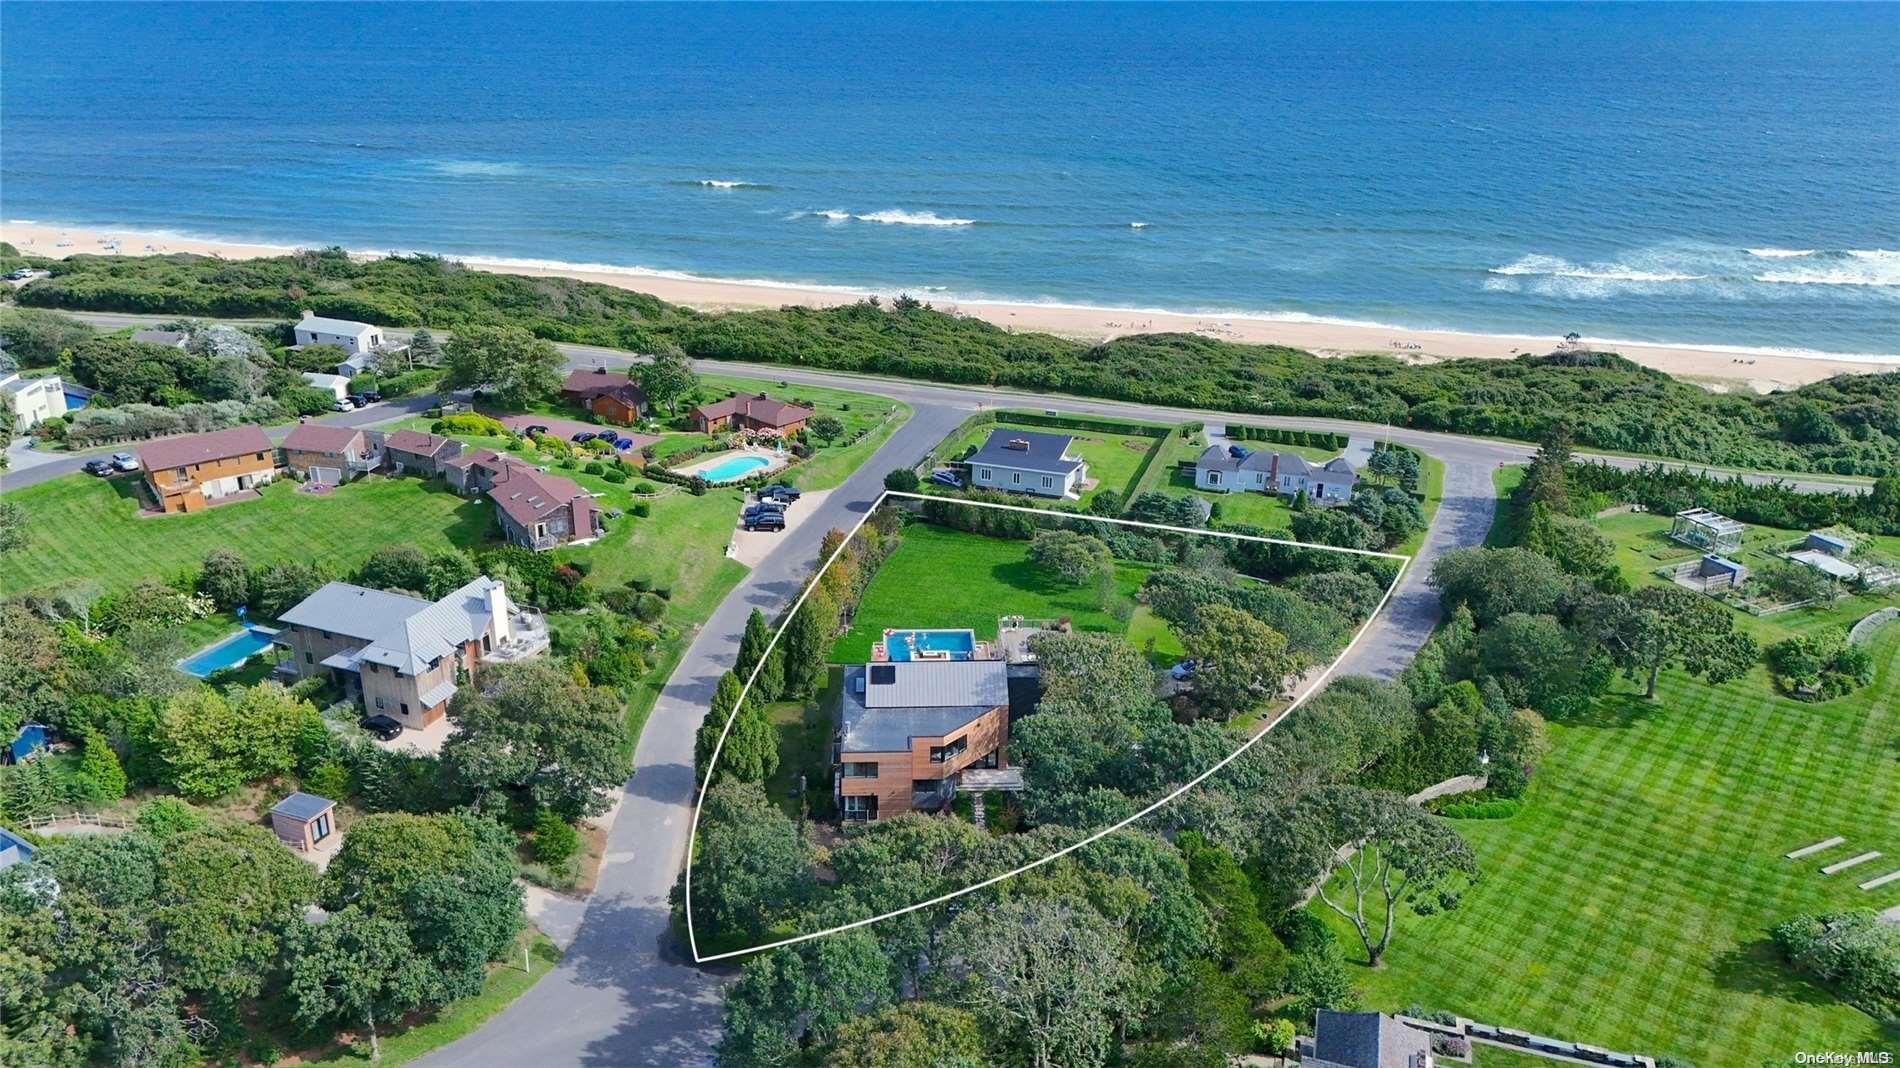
{"points": [[411, 452], [189, 472], [536, 510], [402, 656], [1235, 469], [755, 412], [333, 454], [610, 395]]}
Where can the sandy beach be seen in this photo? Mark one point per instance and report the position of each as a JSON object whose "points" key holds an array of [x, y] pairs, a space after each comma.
{"points": [[1720, 368]]}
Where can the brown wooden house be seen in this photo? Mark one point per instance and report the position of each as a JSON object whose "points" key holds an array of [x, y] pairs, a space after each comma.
{"points": [[754, 412], [188, 472], [611, 395]]}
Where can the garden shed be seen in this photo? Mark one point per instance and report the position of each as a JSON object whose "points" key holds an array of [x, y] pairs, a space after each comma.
{"points": [[303, 820], [1709, 531]]}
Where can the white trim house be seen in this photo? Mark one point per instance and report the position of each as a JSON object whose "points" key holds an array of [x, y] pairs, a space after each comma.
{"points": [[33, 400], [1024, 461], [352, 337], [1235, 469]]}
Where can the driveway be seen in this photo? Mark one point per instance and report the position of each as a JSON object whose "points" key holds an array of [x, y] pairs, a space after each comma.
{"points": [[622, 995]]}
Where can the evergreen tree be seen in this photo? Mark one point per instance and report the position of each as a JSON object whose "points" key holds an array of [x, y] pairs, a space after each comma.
{"points": [[1545, 479], [101, 779], [424, 348], [752, 643]]}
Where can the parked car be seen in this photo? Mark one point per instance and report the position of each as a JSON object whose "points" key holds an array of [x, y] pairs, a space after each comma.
{"points": [[343, 405], [102, 468], [125, 461], [946, 478], [19, 273], [581, 436], [780, 491], [372, 396], [1182, 671], [383, 727], [536, 431], [623, 443], [361, 400], [762, 507], [772, 521]]}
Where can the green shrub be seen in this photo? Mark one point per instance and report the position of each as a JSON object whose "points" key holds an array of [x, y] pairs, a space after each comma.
{"points": [[555, 841], [593, 467], [615, 475], [642, 508], [1497, 808], [645, 488]]}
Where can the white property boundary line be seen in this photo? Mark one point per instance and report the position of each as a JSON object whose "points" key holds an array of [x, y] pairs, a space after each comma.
{"points": [[692, 838]]}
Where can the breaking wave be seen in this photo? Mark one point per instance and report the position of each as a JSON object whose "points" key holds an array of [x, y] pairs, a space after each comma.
{"points": [[1853, 267], [892, 216], [1554, 267]]}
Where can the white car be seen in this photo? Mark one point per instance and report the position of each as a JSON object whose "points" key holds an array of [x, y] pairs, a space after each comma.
{"points": [[125, 461]]}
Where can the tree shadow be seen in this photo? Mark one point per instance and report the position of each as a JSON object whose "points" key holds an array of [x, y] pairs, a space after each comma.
{"points": [[1616, 710], [1757, 968]]}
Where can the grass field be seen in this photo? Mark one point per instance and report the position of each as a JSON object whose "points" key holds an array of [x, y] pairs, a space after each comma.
{"points": [[805, 730], [946, 578], [1629, 903], [82, 529], [1113, 459]]}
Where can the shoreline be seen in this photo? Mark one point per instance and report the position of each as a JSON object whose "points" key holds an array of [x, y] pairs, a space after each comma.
{"points": [[1717, 367]]}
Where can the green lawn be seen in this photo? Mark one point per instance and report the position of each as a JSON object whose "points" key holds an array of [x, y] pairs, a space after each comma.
{"points": [[1431, 482], [1629, 903], [1504, 480], [1113, 459], [877, 417], [1643, 545], [946, 578], [1145, 626], [805, 730], [82, 529]]}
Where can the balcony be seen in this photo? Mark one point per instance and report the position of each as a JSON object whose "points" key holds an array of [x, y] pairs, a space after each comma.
{"points": [[529, 641]]}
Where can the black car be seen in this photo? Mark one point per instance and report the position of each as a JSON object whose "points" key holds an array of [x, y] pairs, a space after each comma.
{"points": [[772, 521], [359, 399], [372, 396], [582, 435], [101, 468], [779, 491], [383, 727], [764, 508], [537, 431]]}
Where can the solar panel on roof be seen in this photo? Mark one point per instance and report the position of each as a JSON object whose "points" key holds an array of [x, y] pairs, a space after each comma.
{"points": [[883, 674]]}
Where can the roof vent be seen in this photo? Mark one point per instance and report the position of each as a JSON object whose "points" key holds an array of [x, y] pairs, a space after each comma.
{"points": [[1018, 444], [883, 674]]}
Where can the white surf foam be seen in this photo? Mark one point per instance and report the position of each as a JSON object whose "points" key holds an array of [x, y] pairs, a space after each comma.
{"points": [[897, 217], [720, 183], [1555, 267], [1779, 253], [1857, 267]]}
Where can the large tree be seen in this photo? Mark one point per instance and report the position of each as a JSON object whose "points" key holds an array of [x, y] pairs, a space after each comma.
{"points": [[37, 338], [792, 998], [1390, 850], [532, 726], [1668, 626], [750, 864], [1069, 558], [1048, 975], [668, 378], [916, 1034], [508, 361], [1493, 583], [213, 743], [356, 967], [1239, 662]]}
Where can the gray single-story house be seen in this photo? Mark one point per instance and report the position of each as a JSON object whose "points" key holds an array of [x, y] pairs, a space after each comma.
{"points": [[1234, 469], [1024, 461]]}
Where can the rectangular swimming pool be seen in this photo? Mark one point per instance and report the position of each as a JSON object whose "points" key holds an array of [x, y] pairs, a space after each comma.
{"points": [[228, 652], [734, 467], [902, 645]]}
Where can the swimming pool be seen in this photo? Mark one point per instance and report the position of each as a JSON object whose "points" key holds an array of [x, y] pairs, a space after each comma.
{"points": [[230, 652], [734, 467], [930, 645], [75, 401]]}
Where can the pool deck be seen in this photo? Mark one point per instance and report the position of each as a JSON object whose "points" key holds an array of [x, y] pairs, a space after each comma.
{"points": [[234, 635], [774, 461]]}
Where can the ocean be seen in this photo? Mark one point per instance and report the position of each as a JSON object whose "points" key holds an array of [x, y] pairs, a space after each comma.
{"points": [[1703, 174]]}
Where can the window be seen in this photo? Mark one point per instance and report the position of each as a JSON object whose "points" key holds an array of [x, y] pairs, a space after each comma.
{"points": [[858, 808], [1015, 478], [320, 828], [379, 702], [405, 708], [982, 474], [1048, 482], [1213, 478], [859, 770], [949, 751]]}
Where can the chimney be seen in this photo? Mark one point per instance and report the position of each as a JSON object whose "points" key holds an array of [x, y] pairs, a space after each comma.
{"points": [[308, 314], [500, 611], [1018, 444]]}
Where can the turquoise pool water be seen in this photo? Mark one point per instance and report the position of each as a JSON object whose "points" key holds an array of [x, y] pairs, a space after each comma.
{"points": [[736, 467], [954, 644], [230, 652]]}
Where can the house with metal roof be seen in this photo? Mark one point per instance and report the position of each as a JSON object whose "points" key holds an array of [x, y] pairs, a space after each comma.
{"points": [[1027, 461], [402, 656], [1237, 469], [908, 730], [304, 822]]}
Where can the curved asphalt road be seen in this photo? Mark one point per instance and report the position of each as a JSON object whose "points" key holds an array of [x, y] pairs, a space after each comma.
{"points": [[622, 994]]}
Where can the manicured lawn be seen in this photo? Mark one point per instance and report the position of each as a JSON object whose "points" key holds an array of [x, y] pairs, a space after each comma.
{"points": [[1145, 626], [82, 529], [946, 578], [506, 982], [1629, 903], [1504, 480], [1113, 459], [875, 417], [804, 745]]}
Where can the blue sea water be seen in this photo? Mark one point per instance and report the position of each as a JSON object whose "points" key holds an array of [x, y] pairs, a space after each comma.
{"points": [[1689, 173]]}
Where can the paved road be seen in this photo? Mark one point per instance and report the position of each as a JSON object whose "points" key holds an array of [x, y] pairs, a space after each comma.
{"points": [[621, 995]]}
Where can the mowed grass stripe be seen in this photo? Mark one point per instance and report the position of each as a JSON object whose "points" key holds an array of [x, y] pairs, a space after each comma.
{"points": [[1629, 903], [81, 529]]}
